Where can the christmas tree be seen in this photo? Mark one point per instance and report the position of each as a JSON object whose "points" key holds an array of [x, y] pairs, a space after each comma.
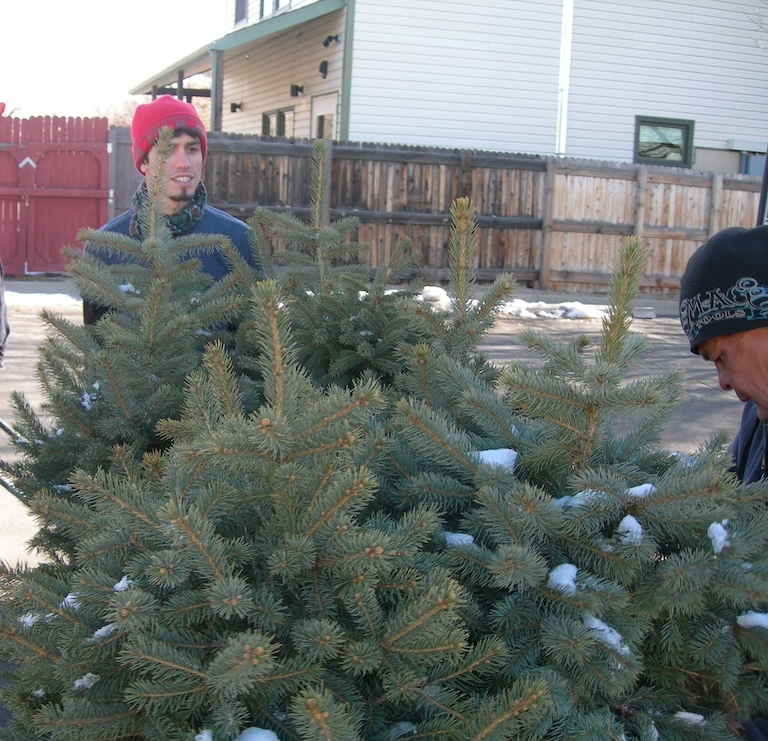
{"points": [[631, 578], [110, 385], [343, 323], [307, 506]]}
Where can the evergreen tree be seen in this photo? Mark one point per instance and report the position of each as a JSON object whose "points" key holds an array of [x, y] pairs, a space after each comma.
{"points": [[634, 576], [342, 322], [110, 384], [295, 529]]}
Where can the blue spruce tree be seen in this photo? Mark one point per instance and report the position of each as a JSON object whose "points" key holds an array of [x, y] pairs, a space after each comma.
{"points": [[308, 508]]}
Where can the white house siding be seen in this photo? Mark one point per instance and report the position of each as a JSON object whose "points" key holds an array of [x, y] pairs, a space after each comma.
{"points": [[449, 73], [261, 77], [695, 60]]}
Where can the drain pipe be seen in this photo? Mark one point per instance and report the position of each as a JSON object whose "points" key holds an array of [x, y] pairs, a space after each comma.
{"points": [[346, 71], [564, 79]]}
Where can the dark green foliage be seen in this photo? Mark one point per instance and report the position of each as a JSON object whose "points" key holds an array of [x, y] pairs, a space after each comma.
{"points": [[112, 383], [342, 322], [298, 528]]}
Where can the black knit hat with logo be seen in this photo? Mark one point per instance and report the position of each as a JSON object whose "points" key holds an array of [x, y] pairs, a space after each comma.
{"points": [[724, 289]]}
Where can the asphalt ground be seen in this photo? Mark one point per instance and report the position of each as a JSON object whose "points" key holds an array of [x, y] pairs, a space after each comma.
{"points": [[703, 409]]}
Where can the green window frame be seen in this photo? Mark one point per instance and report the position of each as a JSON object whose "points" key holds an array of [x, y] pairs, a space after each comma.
{"points": [[663, 141], [241, 11], [268, 7]]}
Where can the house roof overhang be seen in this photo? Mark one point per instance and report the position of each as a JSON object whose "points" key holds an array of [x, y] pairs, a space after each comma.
{"points": [[199, 61]]}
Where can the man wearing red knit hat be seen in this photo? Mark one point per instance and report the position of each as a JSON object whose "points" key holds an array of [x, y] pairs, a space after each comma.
{"points": [[185, 201]]}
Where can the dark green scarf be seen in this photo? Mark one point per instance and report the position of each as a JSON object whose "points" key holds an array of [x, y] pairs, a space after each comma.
{"points": [[178, 223]]}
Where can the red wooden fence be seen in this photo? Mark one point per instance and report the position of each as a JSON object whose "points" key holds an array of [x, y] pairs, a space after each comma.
{"points": [[53, 182]]}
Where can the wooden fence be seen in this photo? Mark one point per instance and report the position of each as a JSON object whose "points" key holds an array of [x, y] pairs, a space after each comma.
{"points": [[554, 223], [53, 182]]}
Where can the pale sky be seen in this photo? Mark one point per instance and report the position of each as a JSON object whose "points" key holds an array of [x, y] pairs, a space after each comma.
{"points": [[80, 57]]}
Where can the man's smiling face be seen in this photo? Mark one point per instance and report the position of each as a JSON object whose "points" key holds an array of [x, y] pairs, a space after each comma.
{"points": [[184, 168]]}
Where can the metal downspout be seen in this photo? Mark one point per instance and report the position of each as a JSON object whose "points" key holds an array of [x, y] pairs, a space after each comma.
{"points": [[346, 72], [564, 80]]}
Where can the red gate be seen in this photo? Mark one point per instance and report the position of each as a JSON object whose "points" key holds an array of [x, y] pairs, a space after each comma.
{"points": [[53, 182]]}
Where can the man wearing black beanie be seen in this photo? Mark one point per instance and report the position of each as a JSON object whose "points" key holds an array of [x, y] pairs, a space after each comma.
{"points": [[724, 312]]}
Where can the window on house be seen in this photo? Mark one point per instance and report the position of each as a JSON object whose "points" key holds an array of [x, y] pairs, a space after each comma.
{"points": [[663, 141], [241, 10], [269, 124], [267, 7], [278, 123], [288, 121], [325, 126]]}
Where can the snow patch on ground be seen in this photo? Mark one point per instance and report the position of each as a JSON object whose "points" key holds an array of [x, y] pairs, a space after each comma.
{"points": [[17, 300], [435, 296]]}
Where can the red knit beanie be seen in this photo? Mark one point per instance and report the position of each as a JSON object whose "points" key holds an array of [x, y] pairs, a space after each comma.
{"points": [[166, 110]]}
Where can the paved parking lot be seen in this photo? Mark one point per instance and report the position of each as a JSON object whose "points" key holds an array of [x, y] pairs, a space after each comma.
{"points": [[704, 406]]}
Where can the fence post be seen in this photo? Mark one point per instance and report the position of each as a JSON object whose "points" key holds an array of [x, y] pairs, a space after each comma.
{"points": [[641, 195], [465, 168], [325, 182], [716, 203], [547, 211]]}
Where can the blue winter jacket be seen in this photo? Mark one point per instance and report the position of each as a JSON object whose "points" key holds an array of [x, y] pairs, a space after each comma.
{"points": [[213, 221], [749, 446]]}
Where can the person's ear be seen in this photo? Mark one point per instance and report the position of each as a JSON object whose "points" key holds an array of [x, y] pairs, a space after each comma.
{"points": [[143, 167]]}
